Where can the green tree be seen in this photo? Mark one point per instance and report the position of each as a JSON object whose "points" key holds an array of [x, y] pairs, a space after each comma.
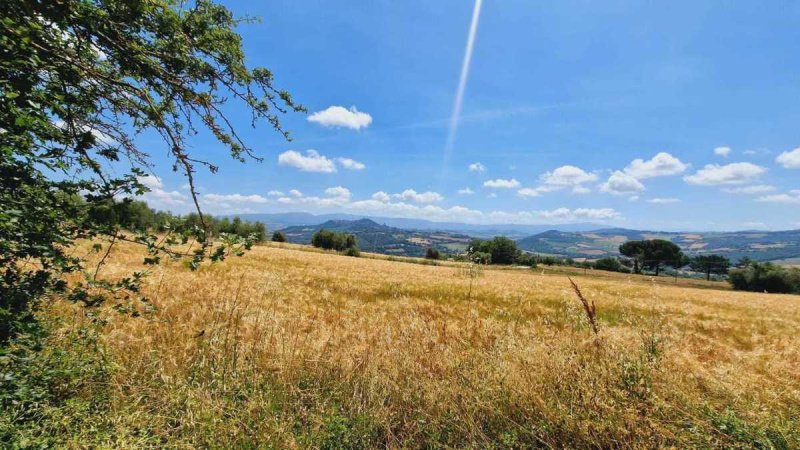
{"points": [[610, 264], [709, 264], [502, 249], [652, 254], [278, 236], [432, 253], [78, 80], [636, 251]]}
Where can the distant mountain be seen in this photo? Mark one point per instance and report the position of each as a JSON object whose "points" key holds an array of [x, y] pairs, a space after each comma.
{"points": [[378, 238], [757, 245], [283, 220]]}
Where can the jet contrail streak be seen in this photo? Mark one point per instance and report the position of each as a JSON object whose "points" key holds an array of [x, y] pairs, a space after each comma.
{"points": [[462, 84]]}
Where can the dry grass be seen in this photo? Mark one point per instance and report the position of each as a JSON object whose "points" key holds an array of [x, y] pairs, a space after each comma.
{"points": [[295, 349]]}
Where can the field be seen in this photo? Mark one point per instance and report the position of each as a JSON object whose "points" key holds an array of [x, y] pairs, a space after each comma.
{"points": [[290, 348]]}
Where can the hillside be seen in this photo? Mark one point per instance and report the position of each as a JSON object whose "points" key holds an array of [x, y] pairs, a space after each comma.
{"points": [[757, 245], [378, 238], [289, 347]]}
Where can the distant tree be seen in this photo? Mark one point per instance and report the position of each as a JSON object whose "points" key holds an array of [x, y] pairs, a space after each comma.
{"points": [[331, 240], [635, 250], [432, 253], [502, 249], [653, 254], [610, 264], [709, 264], [765, 277], [744, 261], [278, 236]]}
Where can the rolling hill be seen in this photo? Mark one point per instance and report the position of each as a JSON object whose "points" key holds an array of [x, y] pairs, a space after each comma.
{"points": [[757, 245], [378, 238]]}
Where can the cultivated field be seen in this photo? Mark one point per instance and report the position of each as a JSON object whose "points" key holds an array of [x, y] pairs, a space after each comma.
{"points": [[292, 349]]}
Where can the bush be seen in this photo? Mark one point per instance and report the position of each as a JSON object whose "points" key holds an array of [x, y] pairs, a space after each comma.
{"points": [[352, 251], [278, 236], [332, 240], [432, 253], [610, 264], [525, 259], [766, 277], [502, 249]]}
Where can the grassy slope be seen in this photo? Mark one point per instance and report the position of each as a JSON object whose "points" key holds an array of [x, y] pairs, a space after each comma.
{"points": [[299, 348]]}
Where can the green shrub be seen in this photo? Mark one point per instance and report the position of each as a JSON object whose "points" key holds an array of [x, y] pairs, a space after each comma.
{"points": [[332, 240], [765, 277], [432, 253], [278, 236]]}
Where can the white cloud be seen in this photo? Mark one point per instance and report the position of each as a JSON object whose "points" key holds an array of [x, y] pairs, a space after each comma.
{"points": [[338, 192], [275, 193], [234, 198], [633, 198], [793, 198], [663, 164], [622, 183], [492, 195], [528, 192], [790, 159], [381, 196], [295, 193], [350, 164], [755, 189], [580, 213], [477, 167], [722, 151], [502, 184], [581, 190], [159, 198], [663, 201], [339, 116], [465, 191], [735, 173], [419, 197], [567, 176], [311, 162]]}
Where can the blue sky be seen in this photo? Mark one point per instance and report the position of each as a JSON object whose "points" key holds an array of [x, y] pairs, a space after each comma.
{"points": [[680, 115]]}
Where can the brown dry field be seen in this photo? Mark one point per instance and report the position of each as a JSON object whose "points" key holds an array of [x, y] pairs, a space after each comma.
{"points": [[290, 348]]}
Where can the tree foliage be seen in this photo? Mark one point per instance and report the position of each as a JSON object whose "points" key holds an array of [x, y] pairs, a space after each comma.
{"points": [[652, 254], [278, 236], [710, 264], [78, 81], [333, 240], [766, 277], [502, 249]]}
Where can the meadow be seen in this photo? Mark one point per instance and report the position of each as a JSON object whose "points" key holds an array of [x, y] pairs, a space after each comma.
{"points": [[290, 348]]}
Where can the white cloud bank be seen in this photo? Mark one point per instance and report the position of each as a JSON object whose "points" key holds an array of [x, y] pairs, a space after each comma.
{"points": [[792, 198], [501, 183], [734, 173], [661, 165], [312, 161], [663, 201], [419, 197], [790, 159], [621, 183], [750, 190], [350, 164], [563, 177], [339, 116]]}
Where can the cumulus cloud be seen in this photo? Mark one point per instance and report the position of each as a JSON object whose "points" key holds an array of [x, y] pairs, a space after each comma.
{"points": [[339, 116], [477, 167], [621, 183], [233, 198], [312, 161], [160, 198], [580, 213], [663, 201], [502, 184], [754, 189], [465, 191], [381, 196], [722, 151], [338, 192], [793, 198], [734, 173], [529, 192], [567, 176], [419, 197], [663, 164], [295, 193], [350, 164], [789, 159], [275, 193]]}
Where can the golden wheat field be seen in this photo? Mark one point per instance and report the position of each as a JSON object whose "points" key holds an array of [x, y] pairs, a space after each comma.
{"points": [[289, 348]]}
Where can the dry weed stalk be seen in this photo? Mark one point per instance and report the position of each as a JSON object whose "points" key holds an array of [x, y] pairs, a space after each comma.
{"points": [[591, 311]]}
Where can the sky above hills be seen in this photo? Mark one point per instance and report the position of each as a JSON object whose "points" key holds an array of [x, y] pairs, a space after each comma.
{"points": [[673, 116]]}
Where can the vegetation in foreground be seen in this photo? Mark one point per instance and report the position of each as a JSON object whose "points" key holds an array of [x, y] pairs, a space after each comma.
{"points": [[288, 348]]}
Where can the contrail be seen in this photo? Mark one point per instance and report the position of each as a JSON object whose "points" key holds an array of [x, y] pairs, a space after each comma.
{"points": [[462, 84]]}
